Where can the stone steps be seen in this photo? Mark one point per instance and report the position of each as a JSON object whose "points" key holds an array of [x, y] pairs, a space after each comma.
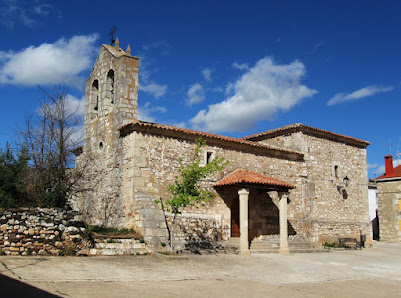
{"points": [[276, 251], [117, 247], [271, 247]]}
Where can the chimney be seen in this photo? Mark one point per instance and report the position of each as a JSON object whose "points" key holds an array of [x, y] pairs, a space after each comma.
{"points": [[388, 162]]}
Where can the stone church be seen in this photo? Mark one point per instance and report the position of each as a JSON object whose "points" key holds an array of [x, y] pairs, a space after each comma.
{"points": [[291, 182]]}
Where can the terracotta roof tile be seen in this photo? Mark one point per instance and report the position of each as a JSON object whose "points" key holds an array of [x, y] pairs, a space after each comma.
{"points": [[307, 129], [241, 176], [397, 173], [186, 131]]}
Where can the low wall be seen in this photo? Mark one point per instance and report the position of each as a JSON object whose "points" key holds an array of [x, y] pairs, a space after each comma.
{"points": [[195, 231], [41, 232]]}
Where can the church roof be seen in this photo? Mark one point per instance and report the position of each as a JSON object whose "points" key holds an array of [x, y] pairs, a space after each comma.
{"points": [[174, 131], [241, 176], [308, 130]]}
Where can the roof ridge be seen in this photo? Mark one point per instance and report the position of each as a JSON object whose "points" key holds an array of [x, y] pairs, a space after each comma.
{"points": [[307, 128], [210, 135]]}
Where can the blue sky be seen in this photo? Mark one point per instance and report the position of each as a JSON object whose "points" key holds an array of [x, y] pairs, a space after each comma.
{"points": [[227, 67]]}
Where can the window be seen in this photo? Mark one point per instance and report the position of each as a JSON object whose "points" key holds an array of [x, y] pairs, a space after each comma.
{"points": [[95, 94], [207, 158], [110, 85], [336, 172]]}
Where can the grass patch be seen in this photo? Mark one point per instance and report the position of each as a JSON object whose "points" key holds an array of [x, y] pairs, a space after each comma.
{"points": [[332, 244], [106, 230], [167, 253]]}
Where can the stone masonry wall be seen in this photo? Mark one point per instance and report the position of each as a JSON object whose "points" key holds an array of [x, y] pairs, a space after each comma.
{"points": [[151, 162], [388, 197], [100, 201], [333, 211], [195, 231], [41, 232]]}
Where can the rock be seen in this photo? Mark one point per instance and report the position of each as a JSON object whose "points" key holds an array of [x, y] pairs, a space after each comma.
{"points": [[54, 252], [73, 230], [83, 252]]}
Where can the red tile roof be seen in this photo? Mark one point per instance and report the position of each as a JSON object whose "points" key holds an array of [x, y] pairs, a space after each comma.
{"points": [[241, 176], [397, 173], [125, 130], [307, 129]]}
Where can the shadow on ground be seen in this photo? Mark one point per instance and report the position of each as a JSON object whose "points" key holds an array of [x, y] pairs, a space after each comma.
{"points": [[15, 288]]}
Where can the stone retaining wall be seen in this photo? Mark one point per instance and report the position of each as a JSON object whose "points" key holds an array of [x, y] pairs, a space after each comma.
{"points": [[41, 232], [195, 231]]}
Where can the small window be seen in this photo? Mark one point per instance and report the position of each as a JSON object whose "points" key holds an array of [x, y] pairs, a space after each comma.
{"points": [[336, 172], [110, 85], [100, 145], [209, 156], [95, 94]]}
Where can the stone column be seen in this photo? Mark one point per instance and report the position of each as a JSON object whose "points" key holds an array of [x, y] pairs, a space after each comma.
{"points": [[283, 223], [243, 215]]}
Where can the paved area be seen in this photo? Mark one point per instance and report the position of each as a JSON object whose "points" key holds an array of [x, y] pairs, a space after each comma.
{"points": [[374, 272]]}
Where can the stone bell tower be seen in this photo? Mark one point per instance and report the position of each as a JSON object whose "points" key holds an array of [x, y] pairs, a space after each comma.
{"points": [[111, 100], [111, 93]]}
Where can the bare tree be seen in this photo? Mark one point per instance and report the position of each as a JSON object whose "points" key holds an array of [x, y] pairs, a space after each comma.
{"points": [[49, 136]]}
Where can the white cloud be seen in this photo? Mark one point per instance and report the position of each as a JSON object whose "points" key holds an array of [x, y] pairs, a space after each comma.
{"points": [[258, 95], [195, 94], [76, 105], [144, 115], [145, 112], [361, 93], [147, 69], [241, 66], [207, 74], [153, 89], [28, 13], [372, 166], [181, 124], [62, 61], [382, 169]]}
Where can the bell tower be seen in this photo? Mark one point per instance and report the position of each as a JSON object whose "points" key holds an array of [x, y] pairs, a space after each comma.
{"points": [[111, 97]]}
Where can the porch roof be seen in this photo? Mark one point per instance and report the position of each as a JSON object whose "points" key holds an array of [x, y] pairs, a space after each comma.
{"points": [[241, 176]]}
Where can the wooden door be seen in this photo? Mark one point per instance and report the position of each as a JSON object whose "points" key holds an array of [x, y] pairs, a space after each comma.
{"points": [[235, 226]]}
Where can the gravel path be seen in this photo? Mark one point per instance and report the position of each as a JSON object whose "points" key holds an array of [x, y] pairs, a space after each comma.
{"points": [[352, 273]]}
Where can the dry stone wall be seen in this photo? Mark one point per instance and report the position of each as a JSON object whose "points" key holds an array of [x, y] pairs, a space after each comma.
{"points": [[41, 232]]}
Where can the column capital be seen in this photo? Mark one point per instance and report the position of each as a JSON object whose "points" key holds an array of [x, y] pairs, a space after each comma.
{"points": [[283, 195], [243, 191]]}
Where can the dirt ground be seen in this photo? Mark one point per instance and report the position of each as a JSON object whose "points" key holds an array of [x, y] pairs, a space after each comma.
{"points": [[374, 272]]}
